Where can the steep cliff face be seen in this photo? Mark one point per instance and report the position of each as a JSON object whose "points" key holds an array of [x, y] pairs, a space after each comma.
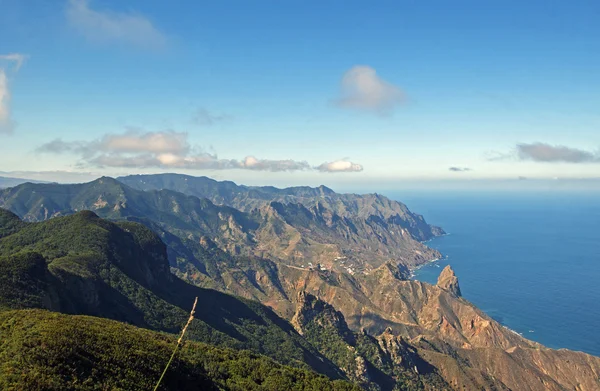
{"points": [[386, 362], [246, 198], [468, 348], [448, 281]]}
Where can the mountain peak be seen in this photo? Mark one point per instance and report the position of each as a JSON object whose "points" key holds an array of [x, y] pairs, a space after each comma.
{"points": [[325, 190], [448, 281]]}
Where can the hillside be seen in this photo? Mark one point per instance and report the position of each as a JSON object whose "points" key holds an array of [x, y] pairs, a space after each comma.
{"points": [[339, 232], [247, 198], [81, 264], [41, 350], [215, 246], [379, 330], [262, 255]]}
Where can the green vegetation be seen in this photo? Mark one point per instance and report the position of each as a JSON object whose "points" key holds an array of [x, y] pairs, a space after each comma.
{"points": [[82, 264], [41, 350], [9, 223]]}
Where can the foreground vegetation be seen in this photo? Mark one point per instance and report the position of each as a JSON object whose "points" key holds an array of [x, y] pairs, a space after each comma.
{"points": [[42, 350], [84, 265]]}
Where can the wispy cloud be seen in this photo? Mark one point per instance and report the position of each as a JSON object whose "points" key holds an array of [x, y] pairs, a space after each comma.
{"points": [[206, 118], [7, 125], [541, 152], [167, 150], [17, 58], [340, 166], [459, 169], [363, 89], [110, 26]]}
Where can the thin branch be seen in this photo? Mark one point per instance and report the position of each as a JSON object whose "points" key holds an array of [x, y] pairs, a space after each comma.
{"points": [[178, 343]]}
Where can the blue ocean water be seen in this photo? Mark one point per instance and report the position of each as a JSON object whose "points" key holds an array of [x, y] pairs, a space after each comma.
{"points": [[531, 261]]}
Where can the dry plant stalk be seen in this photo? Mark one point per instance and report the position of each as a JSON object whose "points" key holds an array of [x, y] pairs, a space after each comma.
{"points": [[178, 343]]}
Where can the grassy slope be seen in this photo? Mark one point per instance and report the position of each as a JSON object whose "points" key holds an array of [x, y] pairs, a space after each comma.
{"points": [[41, 350], [82, 264]]}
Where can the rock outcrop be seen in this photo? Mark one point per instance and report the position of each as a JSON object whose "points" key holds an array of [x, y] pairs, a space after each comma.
{"points": [[418, 324], [449, 282], [382, 363]]}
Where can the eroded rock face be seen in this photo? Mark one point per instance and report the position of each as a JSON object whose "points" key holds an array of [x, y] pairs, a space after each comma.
{"points": [[382, 363], [312, 309], [423, 325], [449, 282]]}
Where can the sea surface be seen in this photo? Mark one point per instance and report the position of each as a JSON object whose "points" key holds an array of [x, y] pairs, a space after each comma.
{"points": [[531, 261]]}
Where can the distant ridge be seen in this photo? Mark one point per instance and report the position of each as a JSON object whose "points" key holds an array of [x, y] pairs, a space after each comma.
{"points": [[10, 182]]}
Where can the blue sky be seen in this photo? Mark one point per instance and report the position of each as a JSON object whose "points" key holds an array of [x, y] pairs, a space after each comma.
{"points": [[301, 92]]}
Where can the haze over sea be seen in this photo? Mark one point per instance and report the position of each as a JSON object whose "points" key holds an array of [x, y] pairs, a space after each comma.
{"points": [[529, 260]]}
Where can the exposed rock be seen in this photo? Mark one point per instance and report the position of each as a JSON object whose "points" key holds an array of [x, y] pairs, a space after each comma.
{"points": [[383, 363], [312, 309], [448, 281]]}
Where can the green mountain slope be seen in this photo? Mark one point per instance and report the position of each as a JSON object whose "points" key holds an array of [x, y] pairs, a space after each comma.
{"points": [[82, 264], [41, 350]]}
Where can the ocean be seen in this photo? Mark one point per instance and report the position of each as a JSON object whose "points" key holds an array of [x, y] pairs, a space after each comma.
{"points": [[531, 261]]}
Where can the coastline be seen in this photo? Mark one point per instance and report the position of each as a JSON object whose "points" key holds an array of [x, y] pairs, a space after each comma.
{"points": [[413, 269]]}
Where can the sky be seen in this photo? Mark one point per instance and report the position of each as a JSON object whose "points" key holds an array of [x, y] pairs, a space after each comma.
{"points": [[342, 93]]}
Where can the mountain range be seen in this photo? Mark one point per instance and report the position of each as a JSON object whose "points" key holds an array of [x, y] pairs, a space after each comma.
{"points": [[334, 268]]}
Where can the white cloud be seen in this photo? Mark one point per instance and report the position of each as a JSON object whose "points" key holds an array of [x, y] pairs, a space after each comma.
{"points": [[252, 163], [340, 166], [135, 149], [363, 89], [108, 26], [7, 125], [158, 142]]}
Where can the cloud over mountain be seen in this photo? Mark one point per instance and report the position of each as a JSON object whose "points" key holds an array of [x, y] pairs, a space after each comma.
{"points": [[340, 166], [110, 26], [363, 89], [168, 150]]}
